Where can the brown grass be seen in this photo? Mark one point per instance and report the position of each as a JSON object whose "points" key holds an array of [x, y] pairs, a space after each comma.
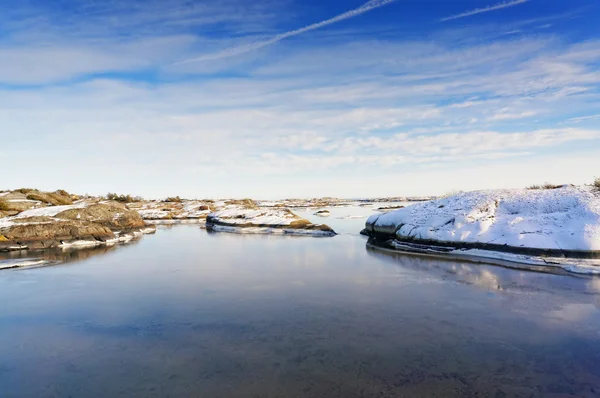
{"points": [[123, 198], [545, 186], [596, 183], [4, 206]]}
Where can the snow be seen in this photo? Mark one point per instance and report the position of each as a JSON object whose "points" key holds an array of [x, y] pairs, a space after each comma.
{"points": [[80, 244], [567, 218], [269, 217], [153, 213], [158, 211], [259, 221], [192, 210], [23, 201], [50, 211]]}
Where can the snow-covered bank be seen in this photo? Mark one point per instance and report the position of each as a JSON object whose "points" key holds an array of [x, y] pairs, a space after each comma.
{"points": [[537, 224], [264, 221]]}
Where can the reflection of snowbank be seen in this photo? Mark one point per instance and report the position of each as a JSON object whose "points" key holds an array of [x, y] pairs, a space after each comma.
{"points": [[269, 231], [22, 262]]}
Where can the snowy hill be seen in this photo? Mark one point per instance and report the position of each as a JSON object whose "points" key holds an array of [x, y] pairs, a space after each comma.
{"points": [[563, 222]]}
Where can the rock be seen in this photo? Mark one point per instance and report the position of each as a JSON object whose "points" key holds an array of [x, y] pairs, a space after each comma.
{"points": [[185, 210], [112, 215], [17, 205], [82, 224], [323, 213], [57, 198], [31, 229], [388, 208], [264, 221]]}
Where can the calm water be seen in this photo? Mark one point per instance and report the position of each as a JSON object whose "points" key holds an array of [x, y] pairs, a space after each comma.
{"points": [[184, 313]]}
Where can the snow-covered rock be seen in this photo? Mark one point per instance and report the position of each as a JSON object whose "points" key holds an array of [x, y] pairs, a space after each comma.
{"points": [[562, 222], [171, 211], [264, 221]]}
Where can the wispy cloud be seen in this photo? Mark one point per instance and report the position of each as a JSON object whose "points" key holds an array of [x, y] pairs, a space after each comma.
{"points": [[232, 51], [476, 11]]}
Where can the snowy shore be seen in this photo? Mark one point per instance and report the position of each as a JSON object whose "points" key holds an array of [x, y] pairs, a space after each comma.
{"points": [[560, 227]]}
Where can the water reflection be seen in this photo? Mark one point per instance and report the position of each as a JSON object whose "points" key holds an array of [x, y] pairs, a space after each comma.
{"points": [[186, 313], [67, 255], [491, 277]]}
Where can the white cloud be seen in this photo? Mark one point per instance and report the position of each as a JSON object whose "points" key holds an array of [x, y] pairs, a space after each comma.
{"points": [[233, 51], [39, 64], [495, 7], [455, 145], [583, 118], [325, 118], [507, 114]]}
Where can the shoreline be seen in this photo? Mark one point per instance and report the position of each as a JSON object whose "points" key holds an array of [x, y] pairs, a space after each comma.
{"points": [[559, 265], [40, 245]]}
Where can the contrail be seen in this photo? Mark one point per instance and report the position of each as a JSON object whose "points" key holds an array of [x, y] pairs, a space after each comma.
{"points": [[230, 52], [486, 9]]}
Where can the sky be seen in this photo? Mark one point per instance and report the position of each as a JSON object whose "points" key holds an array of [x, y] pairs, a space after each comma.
{"points": [[298, 98]]}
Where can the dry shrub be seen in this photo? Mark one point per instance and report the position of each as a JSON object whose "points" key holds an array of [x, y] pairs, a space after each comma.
{"points": [[545, 186], [123, 198]]}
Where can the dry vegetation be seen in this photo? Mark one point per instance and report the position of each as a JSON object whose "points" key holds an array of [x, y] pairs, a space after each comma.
{"points": [[123, 198], [4, 206], [449, 194], [545, 186]]}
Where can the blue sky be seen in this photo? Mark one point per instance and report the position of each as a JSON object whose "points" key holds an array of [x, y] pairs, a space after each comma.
{"points": [[267, 99]]}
